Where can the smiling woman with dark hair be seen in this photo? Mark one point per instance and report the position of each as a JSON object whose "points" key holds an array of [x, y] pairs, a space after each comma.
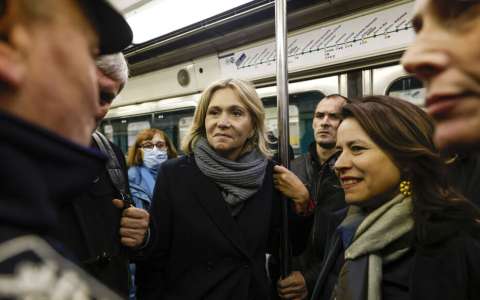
{"points": [[406, 233]]}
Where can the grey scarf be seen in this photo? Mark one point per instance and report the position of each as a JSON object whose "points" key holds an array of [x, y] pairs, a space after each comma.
{"points": [[238, 180]]}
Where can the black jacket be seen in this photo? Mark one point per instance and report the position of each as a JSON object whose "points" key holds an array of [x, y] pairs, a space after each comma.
{"points": [[324, 188], [464, 175], [446, 267], [39, 171], [320, 179], [89, 227], [201, 251]]}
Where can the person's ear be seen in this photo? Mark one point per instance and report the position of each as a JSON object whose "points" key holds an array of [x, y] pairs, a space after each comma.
{"points": [[13, 37]]}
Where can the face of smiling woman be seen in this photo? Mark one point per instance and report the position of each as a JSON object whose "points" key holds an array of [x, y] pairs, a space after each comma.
{"points": [[366, 173], [228, 123]]}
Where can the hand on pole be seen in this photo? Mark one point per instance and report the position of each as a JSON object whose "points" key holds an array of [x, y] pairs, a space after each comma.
{"points": [[293, 287], [292, 187], [133, 224]]}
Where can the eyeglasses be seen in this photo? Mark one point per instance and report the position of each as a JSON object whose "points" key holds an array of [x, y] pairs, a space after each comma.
{"points": [[150, 145]]}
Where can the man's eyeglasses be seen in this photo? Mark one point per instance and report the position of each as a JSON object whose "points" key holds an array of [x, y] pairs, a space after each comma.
{"points": [[150, 145]]}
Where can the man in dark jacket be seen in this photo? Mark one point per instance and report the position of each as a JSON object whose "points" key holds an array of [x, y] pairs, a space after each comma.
{"points": [[313, 184], [89, 225], [48, 104]]}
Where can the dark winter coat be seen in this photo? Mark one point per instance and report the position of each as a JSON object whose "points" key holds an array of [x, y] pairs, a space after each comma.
{"points": [[320, 180], [446, 267], [201, 251], [89, 227], [324, 188], [39, 172], [464, 175]]}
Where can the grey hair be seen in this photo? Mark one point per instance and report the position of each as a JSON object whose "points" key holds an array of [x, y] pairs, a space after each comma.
{"points": [[114, 66]]}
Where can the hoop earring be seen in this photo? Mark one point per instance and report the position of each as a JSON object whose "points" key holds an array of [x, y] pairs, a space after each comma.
{"points": [[406, 188]]}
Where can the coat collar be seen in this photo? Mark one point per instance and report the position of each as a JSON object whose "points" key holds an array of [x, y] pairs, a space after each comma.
{"points": [[43, 171], [211, 200], [312, 152]]}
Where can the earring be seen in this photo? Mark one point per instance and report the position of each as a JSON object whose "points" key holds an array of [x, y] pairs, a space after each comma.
{"points": [[406, 188]]}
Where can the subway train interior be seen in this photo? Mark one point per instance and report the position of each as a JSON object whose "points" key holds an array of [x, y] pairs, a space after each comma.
{"points": [[352, 48]]}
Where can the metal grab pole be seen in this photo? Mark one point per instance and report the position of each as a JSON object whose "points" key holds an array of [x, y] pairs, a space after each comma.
{"points": [[282, 105]]}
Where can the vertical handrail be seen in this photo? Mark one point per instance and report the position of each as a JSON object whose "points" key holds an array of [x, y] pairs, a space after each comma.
{"points": [[283, 130]]}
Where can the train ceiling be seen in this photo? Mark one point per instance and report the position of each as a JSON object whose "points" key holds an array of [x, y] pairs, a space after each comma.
{"points": [[244, 22]]}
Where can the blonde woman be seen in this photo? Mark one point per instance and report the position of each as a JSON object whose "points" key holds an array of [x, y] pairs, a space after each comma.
{"points": [[215, 210]]}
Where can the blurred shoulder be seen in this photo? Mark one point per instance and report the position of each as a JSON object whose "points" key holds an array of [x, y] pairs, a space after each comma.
{"points": [[471, 244], [300, 160], [178, 163], [133, 172]]}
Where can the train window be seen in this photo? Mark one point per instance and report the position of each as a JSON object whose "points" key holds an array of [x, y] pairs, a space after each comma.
{"points": [[134, 128], [122, 132], [301, 109], [108, 131], [183, 128], [408, 88], [271, 123], [174, 123], [354, 84]]}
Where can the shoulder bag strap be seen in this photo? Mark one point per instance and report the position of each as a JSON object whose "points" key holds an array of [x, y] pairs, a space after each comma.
{"points": [[114, 169]]}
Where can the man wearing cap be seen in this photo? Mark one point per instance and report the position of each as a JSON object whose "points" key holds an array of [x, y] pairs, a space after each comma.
{"points": [[48, 104]]}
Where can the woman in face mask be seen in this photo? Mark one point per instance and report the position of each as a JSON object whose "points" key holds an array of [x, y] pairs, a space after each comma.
{"points": [[150, 150]]}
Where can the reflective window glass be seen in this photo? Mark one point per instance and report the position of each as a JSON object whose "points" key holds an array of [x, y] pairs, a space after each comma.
{"points": [[408, 88], [301, 109]]}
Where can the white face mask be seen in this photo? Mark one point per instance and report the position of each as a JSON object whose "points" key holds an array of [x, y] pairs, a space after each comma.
{"points": [[153, 158]]}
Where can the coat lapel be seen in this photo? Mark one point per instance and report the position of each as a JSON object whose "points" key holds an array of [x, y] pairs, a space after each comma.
{"points": [[210, 198], [255, 219]]}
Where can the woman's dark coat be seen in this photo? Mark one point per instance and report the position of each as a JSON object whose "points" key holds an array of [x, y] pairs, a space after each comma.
{"points": [[445, 267], [200, 251]]}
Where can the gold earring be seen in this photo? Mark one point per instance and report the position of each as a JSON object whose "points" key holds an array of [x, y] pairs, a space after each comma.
{"points": [[406, 188]]}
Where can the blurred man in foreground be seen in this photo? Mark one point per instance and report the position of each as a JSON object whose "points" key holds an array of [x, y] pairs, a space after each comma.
{"points": [[48, 107]]}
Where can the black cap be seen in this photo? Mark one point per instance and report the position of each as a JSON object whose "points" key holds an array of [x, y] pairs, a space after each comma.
{"points": [[114, 32]]}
